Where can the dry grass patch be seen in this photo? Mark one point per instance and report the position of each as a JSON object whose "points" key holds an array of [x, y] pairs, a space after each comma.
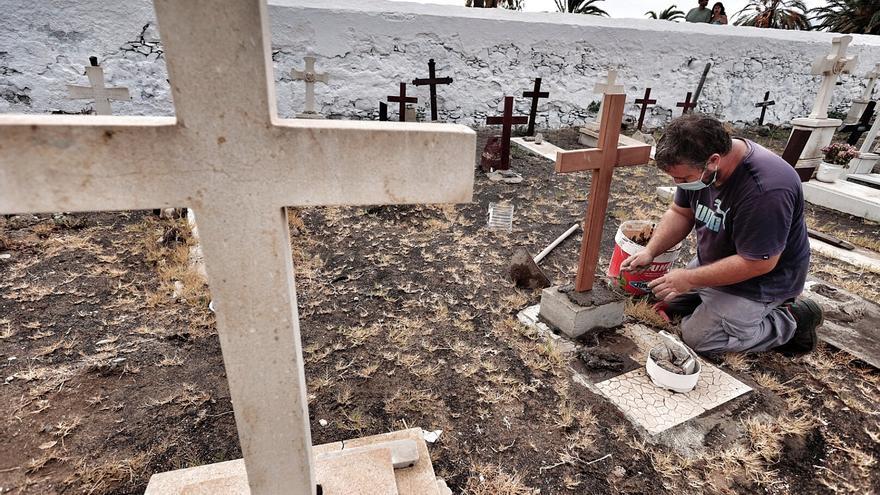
{"points": [[489, 479], [642, 311]]}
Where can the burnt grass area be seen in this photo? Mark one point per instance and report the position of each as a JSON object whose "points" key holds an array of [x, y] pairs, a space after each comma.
{"points": [[111, 368]]}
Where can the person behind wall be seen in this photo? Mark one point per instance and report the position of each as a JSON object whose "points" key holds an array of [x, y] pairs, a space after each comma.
{"points": [[699, 13], [719, 16], [741, 292]]}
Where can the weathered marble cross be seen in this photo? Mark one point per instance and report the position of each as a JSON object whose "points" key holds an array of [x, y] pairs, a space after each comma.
{"points": [[763, 106], [830, 67], [432, 81], [228, 156], [644, 102], [535, 94], [402, 99], [872, 77], [310, 77], [868, 143], [686, 105], [96, 90], [609, 87], [507, 121], [601, 161]]}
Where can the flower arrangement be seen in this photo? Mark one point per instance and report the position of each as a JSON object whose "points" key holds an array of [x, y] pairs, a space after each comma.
{"points": [[840, 153]]}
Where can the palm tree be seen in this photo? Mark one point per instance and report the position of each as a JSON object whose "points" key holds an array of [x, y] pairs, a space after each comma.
{"points": [[776, 14], [670, 14], [580, 7], [849, 16]]}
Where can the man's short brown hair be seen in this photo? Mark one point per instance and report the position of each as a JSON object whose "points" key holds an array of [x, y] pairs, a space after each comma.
{"points": [[691, 140]]}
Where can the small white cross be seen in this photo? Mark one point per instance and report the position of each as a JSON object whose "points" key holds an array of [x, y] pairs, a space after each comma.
{"points": [[872, 80], [830, 67], [607, 88], [96, 91], [310, 77]]}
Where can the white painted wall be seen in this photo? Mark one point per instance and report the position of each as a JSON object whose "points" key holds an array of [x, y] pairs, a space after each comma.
{"points": [[369, 46]]}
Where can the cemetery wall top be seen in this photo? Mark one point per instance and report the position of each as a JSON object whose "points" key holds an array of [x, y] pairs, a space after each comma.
{"points": [[369, 46]]}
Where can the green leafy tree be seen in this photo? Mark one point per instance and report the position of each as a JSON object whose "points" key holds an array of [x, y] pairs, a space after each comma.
{"points": [[670, 14], [775, 14], [849, 16], [580, 7]]}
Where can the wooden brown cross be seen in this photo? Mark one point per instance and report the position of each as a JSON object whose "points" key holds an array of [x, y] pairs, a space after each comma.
{"points": [[403, 100], [644, 102], [535, 95], [601, 161], [432, 81], [763, 106], [507, 121], [686, 105]]}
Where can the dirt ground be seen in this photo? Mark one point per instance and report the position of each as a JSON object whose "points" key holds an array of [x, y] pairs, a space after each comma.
{"points": [[111, 371]]}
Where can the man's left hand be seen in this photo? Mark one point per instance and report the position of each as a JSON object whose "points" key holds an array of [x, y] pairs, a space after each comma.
{"points": [[671, 285]]}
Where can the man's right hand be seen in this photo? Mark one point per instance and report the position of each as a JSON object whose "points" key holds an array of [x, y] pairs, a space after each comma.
{"points": [[638, 262]]}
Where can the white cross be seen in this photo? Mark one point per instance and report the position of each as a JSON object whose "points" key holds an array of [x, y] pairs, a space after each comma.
{"points": [[830, 66], [872, 80], [607, 88], [228, 156], [872, 134], [310, 77], [96, 91]]}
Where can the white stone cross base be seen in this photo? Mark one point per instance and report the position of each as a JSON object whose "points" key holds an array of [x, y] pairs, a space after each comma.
{"points": [[823, 133], [362, 466]]}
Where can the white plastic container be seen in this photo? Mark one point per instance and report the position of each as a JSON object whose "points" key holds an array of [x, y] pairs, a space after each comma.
{"points": [[828, 172], [669, 380]]}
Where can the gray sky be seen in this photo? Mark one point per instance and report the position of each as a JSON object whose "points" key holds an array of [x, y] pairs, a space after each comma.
{"points": [[627, 8]]}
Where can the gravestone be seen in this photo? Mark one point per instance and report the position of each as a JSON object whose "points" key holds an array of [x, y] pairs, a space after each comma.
{"points": [[401, 101], [860, 169], [96, 90], [310, 76], [589, 307], [763, 106], [829, 66], [237, 165], [860, 104], [864, 123], [535, 94], [687, 104], [432, 81], [383, 111], [609, 87], [506, 121]]}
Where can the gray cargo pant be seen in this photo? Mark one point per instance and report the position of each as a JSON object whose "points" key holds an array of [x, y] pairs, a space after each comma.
{"points": [[728, 323]]}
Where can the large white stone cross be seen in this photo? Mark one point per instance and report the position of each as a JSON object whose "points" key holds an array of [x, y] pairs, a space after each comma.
{"points": [[609, 87], [310, 77], [96, 90], [229, 157], [830, 67]]}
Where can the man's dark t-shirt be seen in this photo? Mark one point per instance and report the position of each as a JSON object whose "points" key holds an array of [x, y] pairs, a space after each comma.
{"points": [[757, 213]]}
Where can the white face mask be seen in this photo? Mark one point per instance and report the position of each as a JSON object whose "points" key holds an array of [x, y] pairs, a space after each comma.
{"points": [[698, 184]]}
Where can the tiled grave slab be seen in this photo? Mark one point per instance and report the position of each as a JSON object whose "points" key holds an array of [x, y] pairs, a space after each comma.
{"points": [[845, 196], [656, 409]]}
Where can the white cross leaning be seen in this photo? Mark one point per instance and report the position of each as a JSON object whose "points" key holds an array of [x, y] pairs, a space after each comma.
{"points": [[609, 87], [872, 81], [229, 157], [830, 66], [96, 91], [310, 77]]}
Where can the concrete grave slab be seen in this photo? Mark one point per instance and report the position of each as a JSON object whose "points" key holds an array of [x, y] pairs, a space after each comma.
{"points": [[657, 410], [589, 136], [546, 149], [851, 323], [845, 196], [360, 472]]}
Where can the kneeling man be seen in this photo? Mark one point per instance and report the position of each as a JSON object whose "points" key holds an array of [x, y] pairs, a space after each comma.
{"points": [[740, 294]]}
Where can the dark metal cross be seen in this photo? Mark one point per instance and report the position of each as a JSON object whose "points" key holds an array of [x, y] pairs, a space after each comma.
{"points": [[763, 106], [644, 102], [383, 111], [432, 81], [702, 82], [686, 105], [507, 121], [403, 100], [535, 95], [856, 130]]}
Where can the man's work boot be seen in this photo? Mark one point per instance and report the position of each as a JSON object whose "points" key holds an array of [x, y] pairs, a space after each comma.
{"points": [[808, 316]]}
